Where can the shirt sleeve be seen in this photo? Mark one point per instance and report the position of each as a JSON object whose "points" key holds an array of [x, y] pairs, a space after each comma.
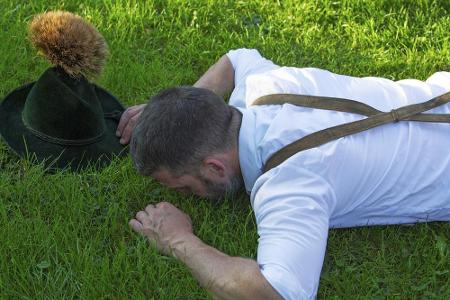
{"points": [[292, 207], [246, 62]]}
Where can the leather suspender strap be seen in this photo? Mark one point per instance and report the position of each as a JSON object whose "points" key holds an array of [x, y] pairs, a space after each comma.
{"points": [[340, 104], [374, 118]]}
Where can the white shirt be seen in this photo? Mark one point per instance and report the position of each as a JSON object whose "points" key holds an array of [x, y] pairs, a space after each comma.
{"points": [[396, 173]]}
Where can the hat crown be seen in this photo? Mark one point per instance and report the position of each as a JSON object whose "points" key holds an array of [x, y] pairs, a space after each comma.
{"points": [[64, 110]]}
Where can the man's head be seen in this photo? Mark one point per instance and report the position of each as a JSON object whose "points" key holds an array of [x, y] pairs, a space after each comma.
{"points": [[186, 138]]}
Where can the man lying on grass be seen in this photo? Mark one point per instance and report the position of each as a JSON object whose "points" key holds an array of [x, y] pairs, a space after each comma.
{"points": [[189, 139]]}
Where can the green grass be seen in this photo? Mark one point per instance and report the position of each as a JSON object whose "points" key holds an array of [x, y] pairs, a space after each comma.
{"points": [[66, 235]]}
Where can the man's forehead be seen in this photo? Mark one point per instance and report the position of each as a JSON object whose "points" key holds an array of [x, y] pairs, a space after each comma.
{"points": [[164, 176], [169, 178]]}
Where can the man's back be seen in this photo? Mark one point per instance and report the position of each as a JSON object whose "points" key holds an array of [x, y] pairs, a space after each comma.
{"points": [[397, 170], [396, 173]]}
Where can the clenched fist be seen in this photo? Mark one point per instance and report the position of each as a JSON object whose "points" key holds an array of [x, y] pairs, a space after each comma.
{"points": [[163, 224]]}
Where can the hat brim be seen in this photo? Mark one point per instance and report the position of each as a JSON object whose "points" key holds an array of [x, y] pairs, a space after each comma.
{"points": [[55, 156]]}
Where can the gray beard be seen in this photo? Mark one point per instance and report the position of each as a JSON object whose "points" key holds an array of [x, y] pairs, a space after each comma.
{"points": [[216, 191]]}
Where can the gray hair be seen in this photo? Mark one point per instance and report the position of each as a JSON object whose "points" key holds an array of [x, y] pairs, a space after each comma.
{"points": [[181, 126]]}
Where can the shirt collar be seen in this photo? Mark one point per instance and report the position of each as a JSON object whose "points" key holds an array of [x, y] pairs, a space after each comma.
{"points": [[248, 159]]}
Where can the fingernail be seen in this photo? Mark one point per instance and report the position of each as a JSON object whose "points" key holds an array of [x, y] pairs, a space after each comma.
{"points": [[122, 141], [118, 133]]}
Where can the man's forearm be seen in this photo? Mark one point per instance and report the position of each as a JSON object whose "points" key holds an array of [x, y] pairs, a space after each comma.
{"points": [[225, 277], [219, 78]]}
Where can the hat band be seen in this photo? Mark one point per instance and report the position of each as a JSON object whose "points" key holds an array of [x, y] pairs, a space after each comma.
{"points": [[63, 142]]}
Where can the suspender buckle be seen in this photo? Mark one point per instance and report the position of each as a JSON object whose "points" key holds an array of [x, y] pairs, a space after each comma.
{"points": [[394, 115]]}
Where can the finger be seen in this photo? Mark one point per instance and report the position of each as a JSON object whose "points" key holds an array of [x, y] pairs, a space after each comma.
{"points": [[126, 134], [125, 118], [149, 208], [164, 205], [142, 217], [136, 226], [128, 131], [123, 122], [139, 228]]}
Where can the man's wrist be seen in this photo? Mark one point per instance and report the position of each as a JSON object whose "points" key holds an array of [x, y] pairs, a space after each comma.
{"points": [[181, 245]]}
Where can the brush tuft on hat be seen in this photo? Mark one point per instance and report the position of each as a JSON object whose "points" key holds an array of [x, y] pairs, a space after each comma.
{"points": [[70, 42]]}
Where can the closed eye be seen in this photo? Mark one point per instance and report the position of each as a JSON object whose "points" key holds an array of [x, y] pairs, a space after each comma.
{"points": [[183, 190]]}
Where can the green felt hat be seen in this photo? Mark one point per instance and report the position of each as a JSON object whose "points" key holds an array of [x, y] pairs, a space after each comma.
{"points": [[63, 121]]}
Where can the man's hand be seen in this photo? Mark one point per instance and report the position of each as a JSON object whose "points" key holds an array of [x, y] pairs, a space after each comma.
{"points": [[223, 276], [163, 224], [127, 122]]}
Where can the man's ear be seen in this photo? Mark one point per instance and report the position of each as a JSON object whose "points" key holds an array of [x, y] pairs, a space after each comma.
{"points": [[214, 168]]}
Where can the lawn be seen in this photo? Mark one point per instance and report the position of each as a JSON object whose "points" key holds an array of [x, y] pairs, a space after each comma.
{"points": [[65, 235]]}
